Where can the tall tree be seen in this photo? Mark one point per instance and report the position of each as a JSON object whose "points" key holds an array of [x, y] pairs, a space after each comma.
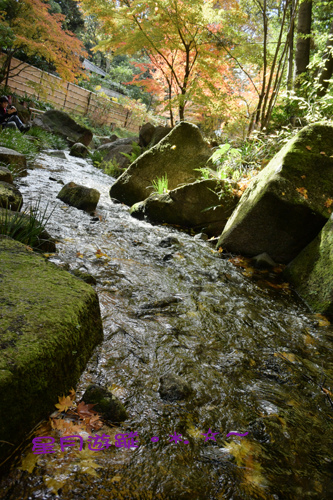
{"points": [[302, 56], [326, 71], [28, 26], [176, 34]]}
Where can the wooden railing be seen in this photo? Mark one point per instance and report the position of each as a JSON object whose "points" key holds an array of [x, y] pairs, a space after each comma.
{"points": [[26, 80]]}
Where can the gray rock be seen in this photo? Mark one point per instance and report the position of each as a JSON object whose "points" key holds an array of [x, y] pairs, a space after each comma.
{"points": [[283, 208], [146, 134], [194, 205], [50, 325], [263, 261], [62, 124], [58, 153], [79, 150], [105, 403], [311, 272], [178, 156], [81, 197], [6, 175], [168, 242], [201, 236], [10, 197], [174, 388], [17, 160]]}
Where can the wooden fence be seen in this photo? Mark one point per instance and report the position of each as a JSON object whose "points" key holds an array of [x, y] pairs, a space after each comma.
{"points": [[26, 80]]}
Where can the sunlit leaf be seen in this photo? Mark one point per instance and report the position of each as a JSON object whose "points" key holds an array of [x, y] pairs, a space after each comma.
{"points": [[64, 403], [29, 462], [56, 482], [286, 355], [322, 320]]}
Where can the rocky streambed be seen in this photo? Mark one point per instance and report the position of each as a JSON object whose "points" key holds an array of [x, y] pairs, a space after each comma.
{"points": [[195, 348]]}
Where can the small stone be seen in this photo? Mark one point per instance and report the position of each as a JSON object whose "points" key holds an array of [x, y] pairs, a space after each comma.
{"points": [[263, 261], [168, 242], [79, 150], [105, 403], [173, 387], [201, 236]]}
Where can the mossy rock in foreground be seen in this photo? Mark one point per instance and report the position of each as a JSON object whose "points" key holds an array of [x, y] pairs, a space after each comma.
{"points": [[50, 323], [287, 203], [312, 271]]}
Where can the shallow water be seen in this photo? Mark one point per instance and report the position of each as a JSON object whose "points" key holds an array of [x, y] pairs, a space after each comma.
{"points": [[255, 357]]}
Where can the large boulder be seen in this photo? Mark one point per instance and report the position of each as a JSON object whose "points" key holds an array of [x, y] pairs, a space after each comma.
{"points": [[178, 156], [50, 323], [195, 205], [10, 196], [62, 124], [114, 151], [81, 197], [27, 229], [146, 134], [311, 272], [285, 206], [15, 159]]}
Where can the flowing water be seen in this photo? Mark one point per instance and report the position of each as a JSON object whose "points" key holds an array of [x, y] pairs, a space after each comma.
{"points": [[256, 359]]}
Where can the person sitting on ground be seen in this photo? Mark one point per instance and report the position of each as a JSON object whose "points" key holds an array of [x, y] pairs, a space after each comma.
{"points": [[8, 118]]}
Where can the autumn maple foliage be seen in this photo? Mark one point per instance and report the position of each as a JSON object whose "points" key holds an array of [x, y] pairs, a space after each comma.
{"points": [[188, 66], [28, 26]]}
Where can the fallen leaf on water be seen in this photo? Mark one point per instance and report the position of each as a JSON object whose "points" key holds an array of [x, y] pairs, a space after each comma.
{"points": [[55, 483], [308, 147], [116, 479], [289, 356], [29, 462], [87, 462], [79, 255], [327, 392], [323, 153], [220, 250], [64, 403], [193, 432], [322, 320], [99, 253], [303, 176], [303, 192], [85, 410], [329, 202]]}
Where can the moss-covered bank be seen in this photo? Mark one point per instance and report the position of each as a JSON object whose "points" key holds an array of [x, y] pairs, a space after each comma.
{"points": [[49, 325]]}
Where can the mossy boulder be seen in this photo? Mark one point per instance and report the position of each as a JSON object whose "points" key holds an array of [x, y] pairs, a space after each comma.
{"points": [[79, 150], [178, 156], [62, 124], [81, 197], [10, 196], [174, 388], [311, 272], [15, 159], [26, 229], [6, 175], [287, 203], [196, 205], [50, 323], [105, 403]]}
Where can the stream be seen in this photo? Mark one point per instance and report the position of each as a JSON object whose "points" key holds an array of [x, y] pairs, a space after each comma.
{"points": [[256, 359]]}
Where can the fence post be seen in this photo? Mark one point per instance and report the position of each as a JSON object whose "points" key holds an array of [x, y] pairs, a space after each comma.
{"points": [[66, 93], [89, 99], [40, 84]]}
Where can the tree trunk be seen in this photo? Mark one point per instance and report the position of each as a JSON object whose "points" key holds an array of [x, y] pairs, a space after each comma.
{"points": [[327, 71], [302, 56], [290, 74]]}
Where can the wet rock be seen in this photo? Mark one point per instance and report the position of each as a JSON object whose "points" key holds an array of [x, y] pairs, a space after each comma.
{"points": [[24, 225], [263, 261], [10, 197], [283, 208], [178, 156], [168, 242], [79, 150], [81, 197], [50, 324], [201, 236], [58, 153], [196, 205], [106, 403], [17, 160], [6, 175], [62, 124], [311, 272], [174, 388], [146, 134], [86, 277]]}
